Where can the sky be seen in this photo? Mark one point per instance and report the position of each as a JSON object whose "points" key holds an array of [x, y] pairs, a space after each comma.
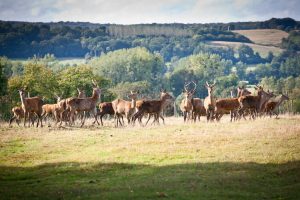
{"points": [[147, 11]]}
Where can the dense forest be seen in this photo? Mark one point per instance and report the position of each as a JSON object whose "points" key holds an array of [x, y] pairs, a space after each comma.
{"points": [[140, 57]]}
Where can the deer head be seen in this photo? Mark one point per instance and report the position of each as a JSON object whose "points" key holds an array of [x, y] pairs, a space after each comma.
{"points": [[210, 87]]}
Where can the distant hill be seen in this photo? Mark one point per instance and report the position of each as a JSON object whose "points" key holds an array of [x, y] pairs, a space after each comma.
{"points": [[79, 39]]}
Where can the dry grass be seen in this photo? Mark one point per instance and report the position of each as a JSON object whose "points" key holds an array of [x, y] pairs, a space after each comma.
{"points": [[267, 37], [184, 161], [261, 49]]}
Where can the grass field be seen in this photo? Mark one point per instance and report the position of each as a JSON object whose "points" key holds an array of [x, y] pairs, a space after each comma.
{"points": [[244, 160], [268, 37], [261, 49]]}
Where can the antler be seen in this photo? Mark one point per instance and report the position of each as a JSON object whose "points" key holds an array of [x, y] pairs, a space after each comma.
{"points": [[94, 83], [207, 84], [195, 86], [185, 86]]}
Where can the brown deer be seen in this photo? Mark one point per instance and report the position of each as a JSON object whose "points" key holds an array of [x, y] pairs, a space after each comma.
{"points": [[152, 106], [106, 108], [186, 105], [126, 108], [31, 105], [198, 109], [209, 101], [18, 114], [253, 102], [225, 106], [84, 104], [272, 105]]}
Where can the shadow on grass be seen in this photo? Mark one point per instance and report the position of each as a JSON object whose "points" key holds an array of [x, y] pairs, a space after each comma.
{"points": [[134, 181]]}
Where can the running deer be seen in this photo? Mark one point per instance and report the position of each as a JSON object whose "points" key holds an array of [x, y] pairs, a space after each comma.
{"points": [[31, 105], [124, 108], [84, 104], [209, 101], [152, 106], [186, 105], [272, 105]]}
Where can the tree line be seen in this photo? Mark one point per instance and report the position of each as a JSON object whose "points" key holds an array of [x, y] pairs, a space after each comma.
{"points": [[117, 72]]}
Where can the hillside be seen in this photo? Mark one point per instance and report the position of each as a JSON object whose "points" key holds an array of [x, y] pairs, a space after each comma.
{"points": [[266, 37], [263, 50]]}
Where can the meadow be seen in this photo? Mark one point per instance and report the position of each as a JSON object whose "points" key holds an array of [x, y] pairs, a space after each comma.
{"points": [[243, 160]]}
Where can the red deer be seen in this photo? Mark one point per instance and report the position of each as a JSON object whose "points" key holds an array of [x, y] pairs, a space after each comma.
{"points": [[84, 104], [253, 103], [49, 109], [152, 106], [198, 109], [227, 105], [31, 105], [272, 105], [122, 107], [106, 108], [186, 105], [18, 114], [242, 91], [209, 101]]}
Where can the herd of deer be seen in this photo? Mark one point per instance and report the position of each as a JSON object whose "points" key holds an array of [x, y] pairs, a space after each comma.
{"points": [[67, 110]]}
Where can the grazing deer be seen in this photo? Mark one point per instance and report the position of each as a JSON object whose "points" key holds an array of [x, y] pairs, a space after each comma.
{"points": [[126, 108], [18, 114], [209, 101], [272, 105], [84, 104], [253, 102], [106, 108], [186, 105], [31, 105], [152, 106]]}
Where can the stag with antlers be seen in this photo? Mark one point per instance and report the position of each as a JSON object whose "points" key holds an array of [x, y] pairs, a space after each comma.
{"points": [[186, 105]]}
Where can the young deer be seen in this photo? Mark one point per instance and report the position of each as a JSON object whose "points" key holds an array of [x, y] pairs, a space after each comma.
{"points": [[31, 105], [18, 114], [126, 108]]}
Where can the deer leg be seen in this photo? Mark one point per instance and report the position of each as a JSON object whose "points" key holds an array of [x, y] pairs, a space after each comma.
{"points": [[160, 115], [12, 119], [83, 121], [149, 116]]}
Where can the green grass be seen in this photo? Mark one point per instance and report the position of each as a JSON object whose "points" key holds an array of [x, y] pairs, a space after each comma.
{"points": [[244, 160]]}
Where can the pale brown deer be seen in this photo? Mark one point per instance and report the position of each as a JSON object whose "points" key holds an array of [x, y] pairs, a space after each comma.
{"points": [[186, 105], [152, 106], [31, 105], [49, 109], [210, 101], [272, 105], [84, 104], [124, 108]]}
